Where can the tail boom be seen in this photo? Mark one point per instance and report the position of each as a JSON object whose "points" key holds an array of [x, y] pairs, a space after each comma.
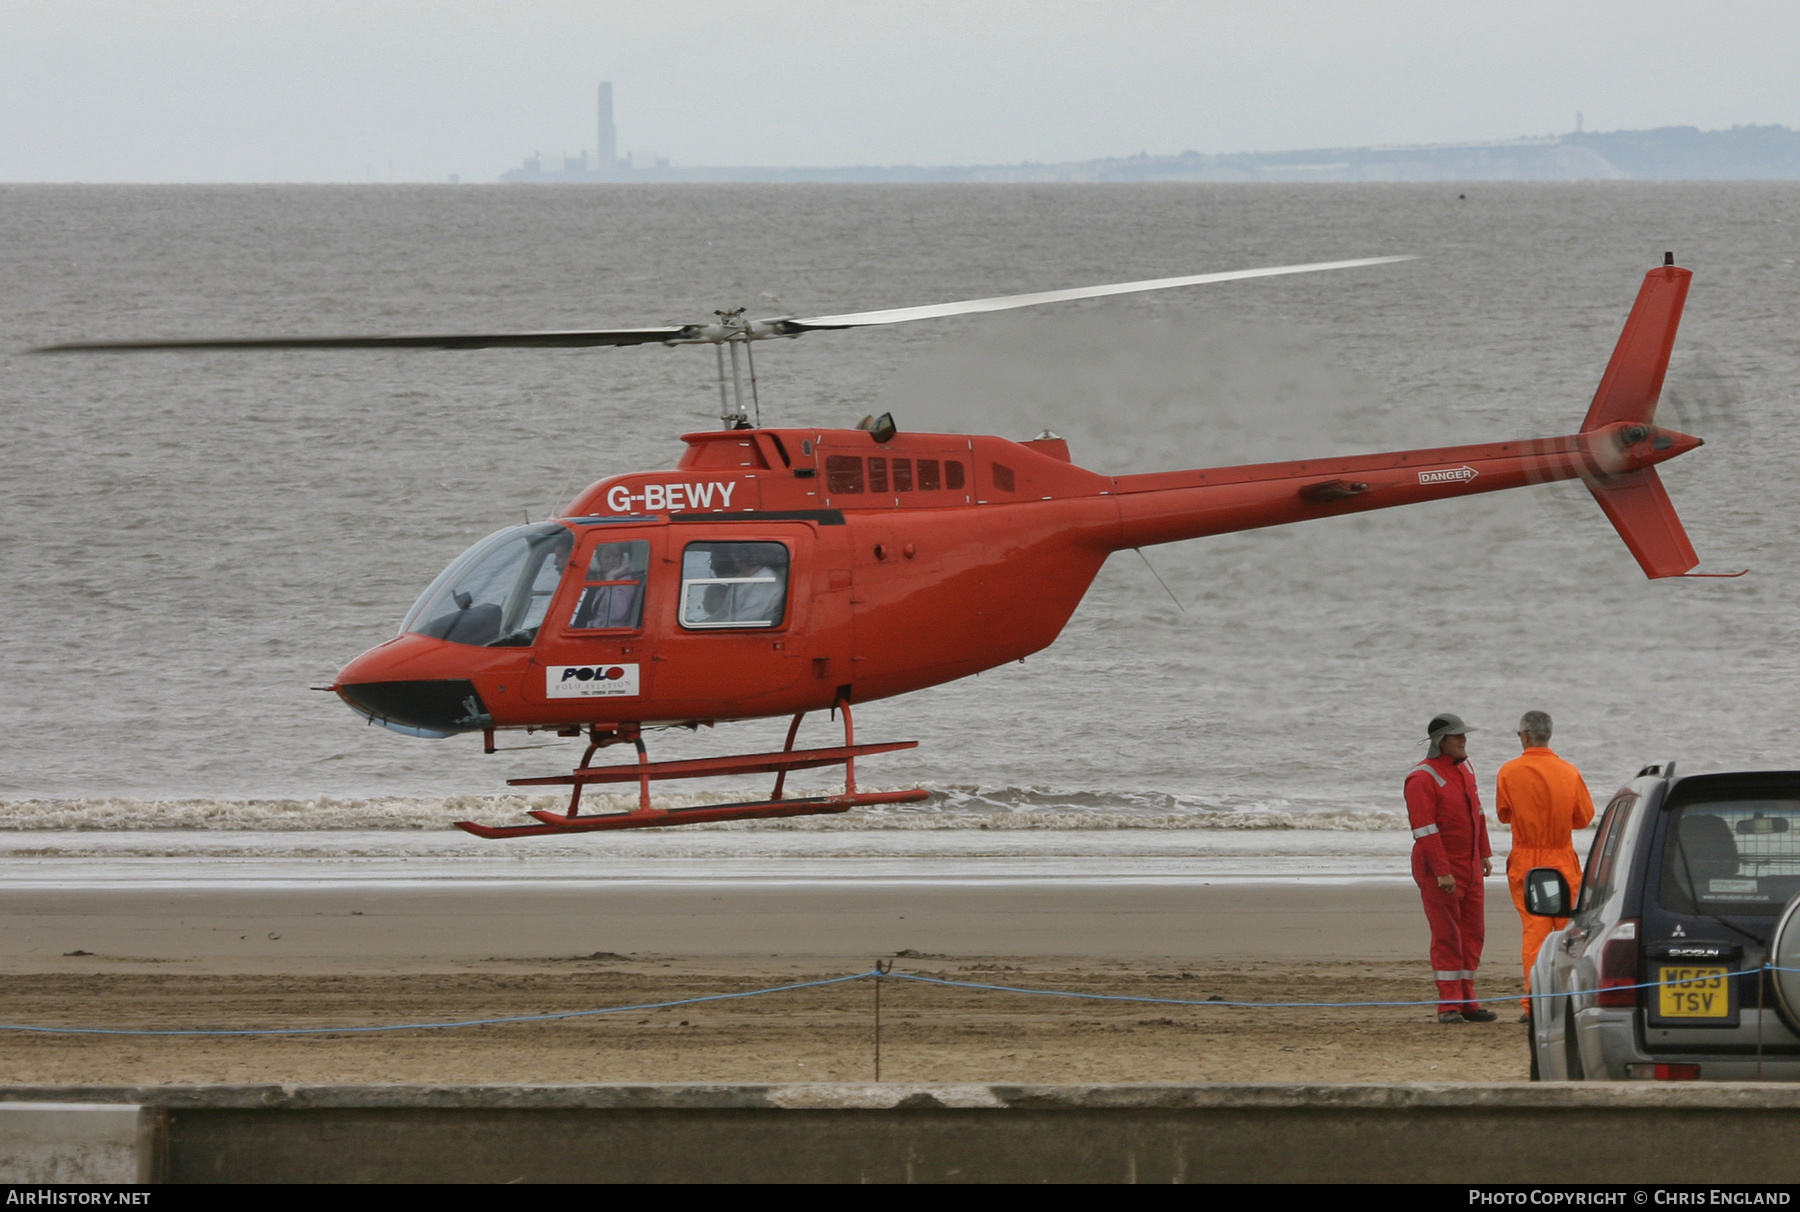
{"points": [[1168, 507], [1615, 455]]}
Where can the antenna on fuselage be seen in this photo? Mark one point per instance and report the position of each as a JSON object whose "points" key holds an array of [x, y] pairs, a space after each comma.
{"points": [[1159, 580]]}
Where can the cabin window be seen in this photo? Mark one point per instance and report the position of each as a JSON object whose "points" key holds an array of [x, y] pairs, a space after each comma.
{"points": [[878, 475], [928, 475], [613, 595], [1003, 478], [953, 474], [497, 593], [902, 475], [843, 474], [733, 585]]}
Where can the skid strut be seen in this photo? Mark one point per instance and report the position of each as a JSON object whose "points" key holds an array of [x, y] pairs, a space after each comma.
{"points": [[644, 771]]}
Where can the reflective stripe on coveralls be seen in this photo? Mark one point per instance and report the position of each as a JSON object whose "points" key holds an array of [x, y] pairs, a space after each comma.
{"points": [[1544, 799], [1426, 767], [1450, 838]]}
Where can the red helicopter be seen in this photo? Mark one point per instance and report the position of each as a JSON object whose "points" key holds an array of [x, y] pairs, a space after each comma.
{"points": [[782, 571]]}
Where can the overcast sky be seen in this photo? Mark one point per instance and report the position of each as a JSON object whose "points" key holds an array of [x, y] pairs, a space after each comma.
{"points": [[414, 90]]}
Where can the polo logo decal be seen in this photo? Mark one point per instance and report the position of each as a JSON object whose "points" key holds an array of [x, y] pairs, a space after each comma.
{"points": [[590, 681]]}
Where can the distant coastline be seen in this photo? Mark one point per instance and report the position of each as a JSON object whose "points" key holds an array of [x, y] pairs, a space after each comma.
{"points": [[1668, 153]]}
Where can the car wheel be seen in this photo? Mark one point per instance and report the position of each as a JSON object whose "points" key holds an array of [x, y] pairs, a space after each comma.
{"points": [[1531, 1040]]}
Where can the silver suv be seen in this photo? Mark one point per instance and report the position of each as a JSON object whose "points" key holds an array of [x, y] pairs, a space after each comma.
{"points": [[1692, 885]]}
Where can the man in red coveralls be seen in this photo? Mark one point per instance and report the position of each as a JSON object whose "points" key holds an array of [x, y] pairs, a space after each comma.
{"points": [[1544, 799], [1450, 855]]}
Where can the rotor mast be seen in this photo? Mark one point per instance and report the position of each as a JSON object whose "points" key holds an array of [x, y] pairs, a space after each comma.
{"points": [[732, 330]]}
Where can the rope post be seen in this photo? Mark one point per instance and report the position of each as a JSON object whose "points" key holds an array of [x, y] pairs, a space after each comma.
{"points": [[882, 968]]}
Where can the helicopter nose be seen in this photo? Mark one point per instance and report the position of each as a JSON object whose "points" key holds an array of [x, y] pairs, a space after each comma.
{"points": [[443, 706], [417, 685]]}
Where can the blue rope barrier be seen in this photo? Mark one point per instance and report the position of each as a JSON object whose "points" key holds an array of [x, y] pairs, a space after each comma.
{"points": [[472, 1022], [841, 980], [1178, 1001]]}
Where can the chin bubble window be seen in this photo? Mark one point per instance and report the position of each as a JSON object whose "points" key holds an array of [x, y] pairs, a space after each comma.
{"points": [[613, 593], [733, 585]]}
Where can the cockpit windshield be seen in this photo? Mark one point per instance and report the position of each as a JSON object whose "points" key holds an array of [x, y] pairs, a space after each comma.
{"points": [[495, 594]]}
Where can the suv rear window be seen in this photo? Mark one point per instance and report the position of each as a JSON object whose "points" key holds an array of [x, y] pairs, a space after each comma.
{"points": [[1731, 856]]}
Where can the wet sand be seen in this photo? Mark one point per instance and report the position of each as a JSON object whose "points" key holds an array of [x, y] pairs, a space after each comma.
{"points": [[245, 957], [378, 929]]}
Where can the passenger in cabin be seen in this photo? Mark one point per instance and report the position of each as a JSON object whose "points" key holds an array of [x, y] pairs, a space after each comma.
{"points": [[759, 593]]}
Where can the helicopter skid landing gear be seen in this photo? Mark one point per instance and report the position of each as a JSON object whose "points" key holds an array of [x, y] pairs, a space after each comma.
{"points": [[643, 772]]}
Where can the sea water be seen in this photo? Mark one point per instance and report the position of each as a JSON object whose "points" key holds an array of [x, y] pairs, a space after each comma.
{"points": [[190, 542]]}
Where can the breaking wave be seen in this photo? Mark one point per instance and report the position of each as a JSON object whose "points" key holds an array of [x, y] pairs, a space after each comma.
{"points": [[949, 808]]}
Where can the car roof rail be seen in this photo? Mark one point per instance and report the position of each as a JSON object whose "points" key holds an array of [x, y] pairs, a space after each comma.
{"points": [[1661, 769]]}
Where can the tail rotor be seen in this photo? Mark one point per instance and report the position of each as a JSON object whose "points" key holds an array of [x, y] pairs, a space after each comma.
{"points": [[1622, 440]]}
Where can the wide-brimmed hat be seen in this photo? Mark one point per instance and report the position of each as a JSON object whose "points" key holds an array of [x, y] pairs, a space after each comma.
{"points": [[1446, 724], [1443, 724]]}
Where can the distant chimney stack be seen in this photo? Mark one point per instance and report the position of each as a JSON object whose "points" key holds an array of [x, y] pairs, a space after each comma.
{"points": [[606, 151]]}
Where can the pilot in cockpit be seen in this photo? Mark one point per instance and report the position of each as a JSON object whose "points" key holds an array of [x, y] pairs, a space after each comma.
{"points": [[617, 600]]}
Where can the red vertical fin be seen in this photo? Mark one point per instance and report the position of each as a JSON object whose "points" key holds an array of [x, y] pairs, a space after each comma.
{"points": [[1634, 378], [1635, 501]]}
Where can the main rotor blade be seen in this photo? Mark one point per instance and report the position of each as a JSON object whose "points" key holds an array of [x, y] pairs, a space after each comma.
{"points": [[899, 315], [728, 329], [569, 339]]}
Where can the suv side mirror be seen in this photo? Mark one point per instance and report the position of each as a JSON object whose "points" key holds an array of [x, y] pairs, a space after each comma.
{"points": [[1546, 893]]}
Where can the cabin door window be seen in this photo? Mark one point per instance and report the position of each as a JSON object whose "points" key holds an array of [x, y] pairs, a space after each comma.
{"points": [[733, 585]]}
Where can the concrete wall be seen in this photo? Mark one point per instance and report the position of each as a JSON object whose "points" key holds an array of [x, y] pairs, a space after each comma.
{"points": [[77, 1142], [889, 1133]]}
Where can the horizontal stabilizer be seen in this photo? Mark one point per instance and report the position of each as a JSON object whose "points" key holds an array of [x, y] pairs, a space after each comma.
{"points": [[1634, 377], [1641, 512]]}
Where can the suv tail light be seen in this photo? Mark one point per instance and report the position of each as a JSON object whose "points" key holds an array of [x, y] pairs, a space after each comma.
{"points": [[1665, 1072], [1619, 967]]}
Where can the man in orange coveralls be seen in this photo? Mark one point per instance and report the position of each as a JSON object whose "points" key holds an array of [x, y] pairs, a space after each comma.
{"points": [[1543, 798], [1450, 855]]}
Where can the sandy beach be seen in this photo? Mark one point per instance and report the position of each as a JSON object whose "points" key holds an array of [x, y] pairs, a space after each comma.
{"points": [[345, 954]]}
